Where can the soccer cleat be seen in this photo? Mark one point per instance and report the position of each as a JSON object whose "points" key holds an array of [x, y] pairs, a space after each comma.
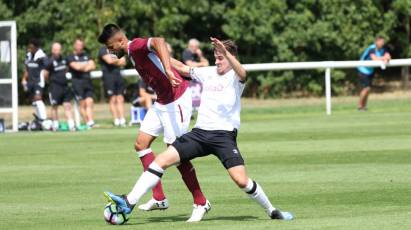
{"points": [[121, 202], [278, 215], [153, 204], [199, 212]]}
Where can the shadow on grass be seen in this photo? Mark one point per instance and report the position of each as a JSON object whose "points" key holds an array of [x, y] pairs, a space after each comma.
{"points": [[232, 218], [183, 218]]}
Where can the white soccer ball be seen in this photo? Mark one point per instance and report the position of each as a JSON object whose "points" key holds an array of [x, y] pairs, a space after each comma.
{"points": [[113, 216], [47, 125]]}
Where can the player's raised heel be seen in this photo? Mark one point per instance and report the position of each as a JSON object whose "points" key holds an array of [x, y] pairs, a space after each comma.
{"points": [[278, 215], [153, 204], [199, 212], [120, 201]]}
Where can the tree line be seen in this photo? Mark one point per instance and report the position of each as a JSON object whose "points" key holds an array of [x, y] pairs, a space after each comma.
{"points": [[264, 30]]}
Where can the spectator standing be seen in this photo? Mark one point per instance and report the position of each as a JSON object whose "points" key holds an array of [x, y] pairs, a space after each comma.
{"points": [[59, 91], [114, 85], [193, 57], [80, 66], [375, 52]]}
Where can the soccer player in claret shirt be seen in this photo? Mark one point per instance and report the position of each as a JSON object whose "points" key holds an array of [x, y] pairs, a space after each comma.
{"points": [[169, 115], [215, 131]]}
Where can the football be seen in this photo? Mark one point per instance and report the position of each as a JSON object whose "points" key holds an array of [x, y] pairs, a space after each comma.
{"points": [[113, 216]]}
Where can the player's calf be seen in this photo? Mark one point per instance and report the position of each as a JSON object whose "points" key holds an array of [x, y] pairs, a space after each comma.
{"points": [[255, 192]]}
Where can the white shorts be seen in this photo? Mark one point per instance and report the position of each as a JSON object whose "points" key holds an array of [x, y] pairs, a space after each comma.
{"points": [[171, 120]]}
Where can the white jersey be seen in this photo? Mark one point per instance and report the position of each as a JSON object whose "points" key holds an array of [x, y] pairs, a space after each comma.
{"points": [[220, 100]]}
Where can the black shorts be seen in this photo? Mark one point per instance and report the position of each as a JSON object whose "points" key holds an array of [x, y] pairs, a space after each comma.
{"points": [[200, 143], [58, 94], [365, 80], [34, 89], [82, 88], [114, 85]]}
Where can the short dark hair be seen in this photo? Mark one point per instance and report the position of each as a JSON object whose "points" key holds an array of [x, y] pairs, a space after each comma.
{"points": [[35, 42], [230, 46], [379, 37], [108, 31]]}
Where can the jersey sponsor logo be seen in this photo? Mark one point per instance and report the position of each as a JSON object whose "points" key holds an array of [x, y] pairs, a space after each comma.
{"points": [[214, 88], [32, 65], [59, 68]]}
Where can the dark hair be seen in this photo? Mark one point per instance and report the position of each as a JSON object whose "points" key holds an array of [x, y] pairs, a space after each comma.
{"points": [[230, 46], [108, 31], [35, 42], [379, 37]]}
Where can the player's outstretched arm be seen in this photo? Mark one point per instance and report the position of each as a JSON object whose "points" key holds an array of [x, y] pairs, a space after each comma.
{"points": [[180, 67], [235, 64], [159, 45]]}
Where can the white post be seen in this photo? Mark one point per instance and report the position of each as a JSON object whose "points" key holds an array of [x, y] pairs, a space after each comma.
{"points": [[328, 90], [15, 103]]}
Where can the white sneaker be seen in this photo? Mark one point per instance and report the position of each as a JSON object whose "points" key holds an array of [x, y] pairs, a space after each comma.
{"points": [[199, 212], [154, 205]]}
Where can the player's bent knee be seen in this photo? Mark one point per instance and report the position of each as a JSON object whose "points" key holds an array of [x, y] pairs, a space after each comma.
{"points": [[139, 145], [242, 182], [239, 175]]}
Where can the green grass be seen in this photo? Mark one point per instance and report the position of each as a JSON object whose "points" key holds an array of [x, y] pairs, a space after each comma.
{"points": [[351, 170]]}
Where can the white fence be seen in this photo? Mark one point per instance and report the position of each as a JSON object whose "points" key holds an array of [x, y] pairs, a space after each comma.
{"points": [[326, 65]]}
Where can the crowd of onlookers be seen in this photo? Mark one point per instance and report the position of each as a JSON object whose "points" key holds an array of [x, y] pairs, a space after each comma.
{"points": [[42, 69]]}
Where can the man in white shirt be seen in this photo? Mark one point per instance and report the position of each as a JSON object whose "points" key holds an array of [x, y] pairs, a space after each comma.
{"points": [[215, 131]]}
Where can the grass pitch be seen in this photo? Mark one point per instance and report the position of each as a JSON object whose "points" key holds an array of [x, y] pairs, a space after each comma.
{"points": [[351, 170]]}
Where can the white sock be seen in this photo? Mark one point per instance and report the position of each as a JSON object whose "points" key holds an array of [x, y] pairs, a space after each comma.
{"points": [[55, 124], [122, 121], [144, 152], [70, 124], [256, 193], [40, 110], [116, 122], [145, 183], [90, 123]]}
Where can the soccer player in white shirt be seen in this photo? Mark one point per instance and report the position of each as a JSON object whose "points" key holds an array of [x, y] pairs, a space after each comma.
{"points": [[215, 131]]}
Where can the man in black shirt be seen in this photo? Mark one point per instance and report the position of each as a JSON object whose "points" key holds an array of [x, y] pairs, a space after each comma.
{"points": [[113, 84], [59, 91], [193, 56], [33, 80], [80, 65]]}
